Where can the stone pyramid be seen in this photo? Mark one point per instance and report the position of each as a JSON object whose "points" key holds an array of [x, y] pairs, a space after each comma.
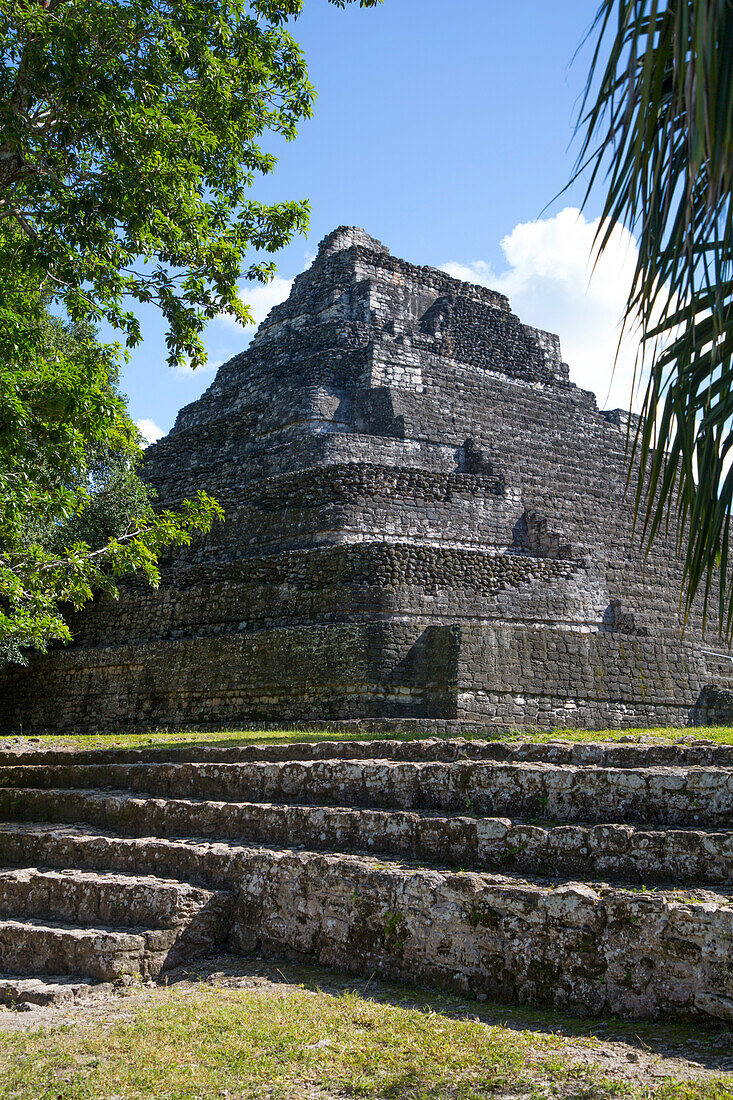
{"points": [[425, 521]]}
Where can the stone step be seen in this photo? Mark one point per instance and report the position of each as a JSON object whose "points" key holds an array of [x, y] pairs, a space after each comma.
{"points": [[600, 753], [214, 865], [101, 953], [87, 897], [17, 990], [685, 796], [616, 852], [583, 947]]}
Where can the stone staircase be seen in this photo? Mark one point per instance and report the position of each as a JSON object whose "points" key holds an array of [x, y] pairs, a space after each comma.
{"points": [[590, 877]]}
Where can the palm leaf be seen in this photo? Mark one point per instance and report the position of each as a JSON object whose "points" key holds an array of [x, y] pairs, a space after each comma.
{"points": [[657, 135]]}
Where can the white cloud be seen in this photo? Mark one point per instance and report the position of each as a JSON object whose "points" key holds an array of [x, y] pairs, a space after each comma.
{"points": [[261, 298], [552, 284], [149, 430], [209, 367]]}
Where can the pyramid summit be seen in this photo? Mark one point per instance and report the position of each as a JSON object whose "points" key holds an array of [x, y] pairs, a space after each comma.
{"points": [[426, 520]]}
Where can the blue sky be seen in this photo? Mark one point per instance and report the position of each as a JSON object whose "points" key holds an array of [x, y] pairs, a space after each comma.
{"points": [[445, 130]]}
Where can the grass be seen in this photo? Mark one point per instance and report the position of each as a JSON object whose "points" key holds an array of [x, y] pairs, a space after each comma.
{"points": [[218, 1042], [160, 738], [722, 735]]}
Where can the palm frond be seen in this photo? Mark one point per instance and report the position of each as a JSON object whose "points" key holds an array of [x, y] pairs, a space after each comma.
{"points": [[657, 125]]}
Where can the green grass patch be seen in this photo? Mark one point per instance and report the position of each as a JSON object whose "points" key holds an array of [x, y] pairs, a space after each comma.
{"points": [[239, 1044], [722, 735], [181, 738]]}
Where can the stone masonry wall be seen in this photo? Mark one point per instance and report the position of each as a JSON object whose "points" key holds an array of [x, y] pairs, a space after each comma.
{"points": [[425, 519]]}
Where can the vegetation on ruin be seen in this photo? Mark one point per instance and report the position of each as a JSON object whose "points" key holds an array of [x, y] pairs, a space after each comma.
{"points": [[657, 122], [298, 1042], [130, 134]]}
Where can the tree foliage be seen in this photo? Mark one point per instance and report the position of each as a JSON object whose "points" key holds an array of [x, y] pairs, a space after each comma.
{"points": [[74, 515], [130, 134], [658, 130]]}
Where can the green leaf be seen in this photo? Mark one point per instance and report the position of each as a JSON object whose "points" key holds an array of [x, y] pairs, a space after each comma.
{"points": [[657, 125]]}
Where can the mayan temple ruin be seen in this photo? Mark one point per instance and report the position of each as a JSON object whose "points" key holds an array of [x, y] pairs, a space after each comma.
{"points": [[426, 525], [425, 520]]}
